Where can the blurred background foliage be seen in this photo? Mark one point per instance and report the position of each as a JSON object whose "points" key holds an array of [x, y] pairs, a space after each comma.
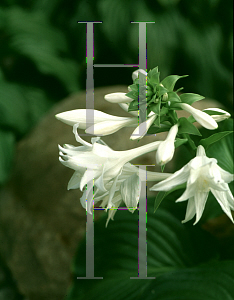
{"points": [[42, 53]]}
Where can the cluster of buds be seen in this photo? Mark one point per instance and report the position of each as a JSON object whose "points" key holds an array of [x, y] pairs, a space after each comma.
{"points": [[115, 179]]}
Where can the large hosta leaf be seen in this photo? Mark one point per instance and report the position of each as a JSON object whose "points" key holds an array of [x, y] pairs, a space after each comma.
{"points": [[183, 258]]}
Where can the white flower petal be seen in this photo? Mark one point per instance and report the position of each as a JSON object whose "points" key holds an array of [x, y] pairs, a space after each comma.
{"points": [[74, 182], [125, 106], [142, 129], [221, 197], [200, 199], [188, 193], [218, 118], [226, 176], [201, 117], [75, 116], [190, 211], [117, 98], [201, 151], [109, 127], [177, 178], [130, 191]]}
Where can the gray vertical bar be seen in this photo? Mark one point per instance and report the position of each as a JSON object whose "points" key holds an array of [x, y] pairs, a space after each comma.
{"points": [[142, 77], [89, 245], [90, 73], [89, 238], [142, 230], [142, 224]]}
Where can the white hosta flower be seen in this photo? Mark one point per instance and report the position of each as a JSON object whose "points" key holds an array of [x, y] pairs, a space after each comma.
{"points": [[218, 118], [109, 127], [104, 124], [142, 129], [97, 161], [117, 98], [201, 117], [202, 175], [127, 190], [166, 149]]}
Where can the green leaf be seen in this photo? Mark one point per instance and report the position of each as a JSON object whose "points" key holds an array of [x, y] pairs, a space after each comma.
{"points": [[162, 90], [132, 95], [161, 195], [186, 127], [173, 97], [133, 105], [159, 198], [134, 88], [174, 252], [153, 76], [156, 108], [7, 145], [32, 36], [179, 142], [163, 128], [190, 98], [163, 111], [13, 108], [214, 138], [170, 81]]}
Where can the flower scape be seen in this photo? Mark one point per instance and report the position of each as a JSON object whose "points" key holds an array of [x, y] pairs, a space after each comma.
{"points": [[107, 176]]}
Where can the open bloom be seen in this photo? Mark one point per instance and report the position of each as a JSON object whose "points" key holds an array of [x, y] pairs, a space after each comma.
{"points": [[201, 117], [127, 190], [166, 149], [97, 162], [202, 175]]}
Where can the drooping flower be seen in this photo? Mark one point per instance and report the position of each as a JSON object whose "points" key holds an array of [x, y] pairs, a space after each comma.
{"points": [[127, 190], [166, 149], [201, 117], [97, 162], [202, 175]]}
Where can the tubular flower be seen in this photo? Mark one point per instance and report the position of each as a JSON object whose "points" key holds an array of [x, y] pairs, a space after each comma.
{"points": [[97, 161], [201, 117], [104, 124], [222, 114], [142, 129], [166, 149], [117, 98], [202, 175]]}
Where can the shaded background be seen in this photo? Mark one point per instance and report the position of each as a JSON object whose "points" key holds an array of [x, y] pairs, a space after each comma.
{"points": [[42, 54]]}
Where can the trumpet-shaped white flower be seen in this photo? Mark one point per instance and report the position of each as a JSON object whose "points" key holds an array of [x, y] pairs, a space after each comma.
{"points": [[127, 190], [97, 161], [218, 118], [166, 149], [201, 117], [202, 175]]}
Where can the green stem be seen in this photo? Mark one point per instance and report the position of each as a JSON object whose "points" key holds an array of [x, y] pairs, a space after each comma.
{"points": [[190, 144]]}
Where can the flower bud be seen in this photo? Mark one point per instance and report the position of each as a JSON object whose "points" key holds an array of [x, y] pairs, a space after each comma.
{"points": [[117, 98]]}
